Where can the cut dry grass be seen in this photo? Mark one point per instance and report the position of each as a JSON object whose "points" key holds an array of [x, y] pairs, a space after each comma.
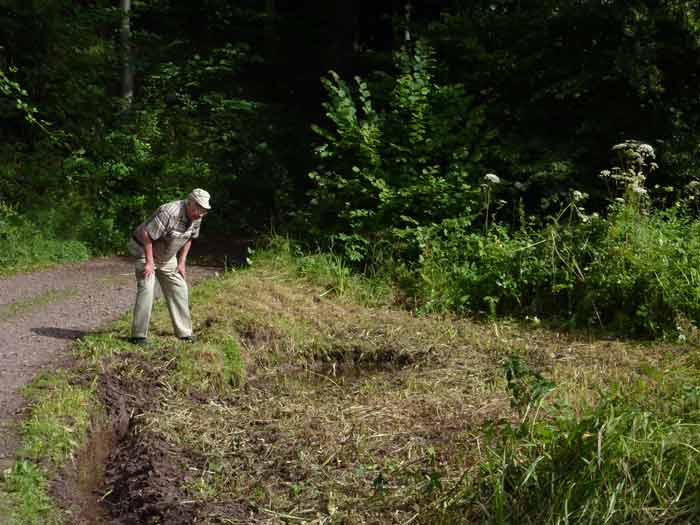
{"points": [[356, 415]]}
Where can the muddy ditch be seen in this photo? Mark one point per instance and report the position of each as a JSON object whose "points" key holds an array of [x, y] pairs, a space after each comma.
{"points": [[126, 474]]}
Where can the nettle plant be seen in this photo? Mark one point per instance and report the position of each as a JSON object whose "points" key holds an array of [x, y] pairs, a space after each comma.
{"points": [[401, 152]]}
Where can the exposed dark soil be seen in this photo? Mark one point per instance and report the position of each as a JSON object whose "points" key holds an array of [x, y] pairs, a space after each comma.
{"points": [[128, 475], [143, 472]]}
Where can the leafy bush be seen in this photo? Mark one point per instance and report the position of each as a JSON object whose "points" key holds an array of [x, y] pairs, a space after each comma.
{"points": [[28, 245], [633, 272], [409, 161]]}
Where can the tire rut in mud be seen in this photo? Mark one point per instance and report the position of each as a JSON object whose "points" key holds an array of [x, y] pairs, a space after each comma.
{"points": [[144, 476]]}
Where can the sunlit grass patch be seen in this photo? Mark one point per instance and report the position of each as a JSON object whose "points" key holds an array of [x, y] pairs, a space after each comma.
{"points": [[27, 490], [277, 323], [29, 246], [55, 429], [59, 418], [328, 271], [208, 367]]}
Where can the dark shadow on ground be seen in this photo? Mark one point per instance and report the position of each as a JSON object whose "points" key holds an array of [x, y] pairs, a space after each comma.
{"points": [[220, 252], [59, 333]]}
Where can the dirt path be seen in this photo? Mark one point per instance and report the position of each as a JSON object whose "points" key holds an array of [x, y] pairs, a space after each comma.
{"points": [[41, 313]]}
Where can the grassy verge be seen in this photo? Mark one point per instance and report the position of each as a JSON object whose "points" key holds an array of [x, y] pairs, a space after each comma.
{"points": [[302, 403], [633, 456], [54, 429]]}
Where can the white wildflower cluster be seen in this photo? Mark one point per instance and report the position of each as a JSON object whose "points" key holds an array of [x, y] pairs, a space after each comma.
{"points": [[577, 198], [636, 161], [492, 178], [693, 188]]}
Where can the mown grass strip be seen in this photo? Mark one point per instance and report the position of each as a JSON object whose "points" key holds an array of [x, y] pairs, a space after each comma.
{"points": [[12, 310], [53, 431]]}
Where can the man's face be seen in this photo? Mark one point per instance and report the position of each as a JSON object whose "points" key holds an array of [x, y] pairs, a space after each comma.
{"points": [[195, 211]]}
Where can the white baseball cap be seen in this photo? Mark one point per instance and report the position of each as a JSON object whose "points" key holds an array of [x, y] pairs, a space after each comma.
{"points": [[200, 197]]}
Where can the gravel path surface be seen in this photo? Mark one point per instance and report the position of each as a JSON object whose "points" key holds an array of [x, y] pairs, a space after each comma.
{"points": [[42, 312]]}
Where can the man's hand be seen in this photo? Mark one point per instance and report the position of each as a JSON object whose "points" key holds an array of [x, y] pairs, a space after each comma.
{"points": [[182, 258], [148, 270]]}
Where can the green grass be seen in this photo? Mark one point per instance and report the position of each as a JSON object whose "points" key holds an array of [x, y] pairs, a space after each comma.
{"points": [[208, 367], [631, 457], [33, 251], [26, 488], [329, 271], [51, 434], [11, 310]]}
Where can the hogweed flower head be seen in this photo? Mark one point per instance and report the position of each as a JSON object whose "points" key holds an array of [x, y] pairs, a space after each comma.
{"points": [[577, 196], [492, 178]]}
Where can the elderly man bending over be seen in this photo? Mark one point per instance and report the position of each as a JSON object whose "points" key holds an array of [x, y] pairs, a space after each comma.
{"points": [[160, 246]]}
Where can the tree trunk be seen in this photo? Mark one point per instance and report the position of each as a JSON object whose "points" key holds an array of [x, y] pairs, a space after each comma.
{"points": [[270, 28], [127, 91], [407, 21]]}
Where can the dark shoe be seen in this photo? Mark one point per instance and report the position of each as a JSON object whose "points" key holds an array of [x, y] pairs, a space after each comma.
{"points": [[189, 339], [141, 341]]}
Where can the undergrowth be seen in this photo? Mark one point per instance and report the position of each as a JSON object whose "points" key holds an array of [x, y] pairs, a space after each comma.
{"points": [[29, 245]]}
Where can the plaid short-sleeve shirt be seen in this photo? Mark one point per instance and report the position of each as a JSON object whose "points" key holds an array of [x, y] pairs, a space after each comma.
{"points": [[169, 228]]}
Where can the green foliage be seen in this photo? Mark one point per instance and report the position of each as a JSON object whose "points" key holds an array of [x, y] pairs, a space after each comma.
{"points": [[28, 245], [563, 79], [633, 272], [410, 161], [525, 385], [13, 93], [632, 457], [27, 487], [531, 270]]}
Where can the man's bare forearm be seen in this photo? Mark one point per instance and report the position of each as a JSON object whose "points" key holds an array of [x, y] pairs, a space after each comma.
{"points": [[147, 246], [182, 256]]}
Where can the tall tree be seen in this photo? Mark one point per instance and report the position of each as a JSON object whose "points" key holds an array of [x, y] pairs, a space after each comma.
{"points": [[127, 85]]}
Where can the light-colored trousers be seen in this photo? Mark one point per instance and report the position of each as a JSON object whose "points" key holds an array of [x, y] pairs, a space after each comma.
{"points": [[174, 288]]}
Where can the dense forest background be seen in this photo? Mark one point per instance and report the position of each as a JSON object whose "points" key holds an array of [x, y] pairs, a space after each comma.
{"points": [[490, 156]]}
